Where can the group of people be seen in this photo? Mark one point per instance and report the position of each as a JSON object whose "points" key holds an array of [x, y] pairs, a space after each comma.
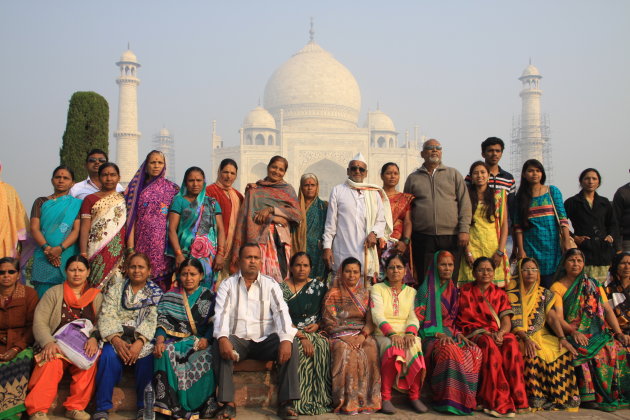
{"points": [[370, 291]]}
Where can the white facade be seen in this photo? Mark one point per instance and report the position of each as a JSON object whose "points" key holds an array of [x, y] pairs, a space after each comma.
{"points": [[127, 134], [165, 143], [310, 115]]}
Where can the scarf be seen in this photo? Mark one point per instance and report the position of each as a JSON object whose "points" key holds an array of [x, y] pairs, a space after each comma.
{"points": [[87, 297], [429, 301]]}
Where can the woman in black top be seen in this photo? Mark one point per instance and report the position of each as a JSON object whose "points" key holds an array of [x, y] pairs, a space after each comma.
{"points": [[594, 225]]}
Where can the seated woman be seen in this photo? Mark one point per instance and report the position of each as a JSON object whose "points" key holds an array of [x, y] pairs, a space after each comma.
{"points": [[304, 298], [453, 361], [549, 374], [55, 228], [17, 307], [400, 349], [356, 380], [184, 379], [602, 366], [102, 228], [195, 226], [127, 323], [484, 317], [60, 305], [618, 289]]}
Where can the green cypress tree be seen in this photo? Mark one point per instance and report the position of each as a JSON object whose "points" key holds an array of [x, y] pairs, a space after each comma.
{"points": [[87, 127]]}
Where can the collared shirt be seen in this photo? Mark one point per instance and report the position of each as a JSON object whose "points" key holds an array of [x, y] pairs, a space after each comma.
{"points": [[252, 314], [503, 180], [84, 188]]}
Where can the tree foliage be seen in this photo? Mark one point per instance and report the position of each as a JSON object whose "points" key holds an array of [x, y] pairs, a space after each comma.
{"points": [[87, 127]]}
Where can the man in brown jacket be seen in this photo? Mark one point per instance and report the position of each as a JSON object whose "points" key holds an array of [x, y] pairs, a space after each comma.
{"points": [[440, 212]]}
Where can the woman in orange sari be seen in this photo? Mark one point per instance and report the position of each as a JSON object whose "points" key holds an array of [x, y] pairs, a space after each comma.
{"points": [[400, 204]]}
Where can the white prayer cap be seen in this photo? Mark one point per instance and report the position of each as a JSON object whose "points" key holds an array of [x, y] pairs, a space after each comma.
{"points": [[359, 158]]}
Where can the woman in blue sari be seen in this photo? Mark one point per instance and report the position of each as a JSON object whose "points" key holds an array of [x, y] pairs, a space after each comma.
{"points": [[183, 377], [309, 235], [194, 228], [55, 228]]}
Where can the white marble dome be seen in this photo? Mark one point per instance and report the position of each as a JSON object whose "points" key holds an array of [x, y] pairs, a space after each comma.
{"points": [[531, 70], [259, 117], [312, 87], [380, 121], [129, 57]]}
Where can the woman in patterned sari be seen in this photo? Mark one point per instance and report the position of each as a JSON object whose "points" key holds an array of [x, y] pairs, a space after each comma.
{"points": [[304, 298], [55, 228], [346, 317], [270, 214], [309, 234], [489, 227], [453, 361], [102, 229], [484, 318], [230, 201], [195, 228], [602, 366], [183, 378], [148, 197], [400, 204], [400, 349], [549, 374], [618, 290]]}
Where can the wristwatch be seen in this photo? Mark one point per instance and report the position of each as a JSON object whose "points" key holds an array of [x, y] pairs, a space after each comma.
{"points": [[499, 253]]}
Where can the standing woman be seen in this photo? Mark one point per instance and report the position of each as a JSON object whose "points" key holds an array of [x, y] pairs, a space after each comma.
{"points": [[489, 227], [270, 214], [184, 380], [485, 318], [148, 197], [14, 220], [618, 290], [102, 231], [549, 374], [400, 204], [453, 361], [304, 296], [602, 366], [539, 210], [356, 379], [17, 307], [594, 225], [230, 201], [195, 228], [55, 228], [309, 235], [400, 349]]}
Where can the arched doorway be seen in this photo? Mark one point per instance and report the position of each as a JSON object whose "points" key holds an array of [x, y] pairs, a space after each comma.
{"points": [[329, 174]]}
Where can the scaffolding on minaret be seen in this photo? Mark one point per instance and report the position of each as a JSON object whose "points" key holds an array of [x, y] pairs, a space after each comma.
{"points": [[516, 153]]}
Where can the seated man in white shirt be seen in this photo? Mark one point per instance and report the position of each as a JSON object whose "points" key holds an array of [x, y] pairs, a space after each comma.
{"points": [[95, 158], [252, 321]]}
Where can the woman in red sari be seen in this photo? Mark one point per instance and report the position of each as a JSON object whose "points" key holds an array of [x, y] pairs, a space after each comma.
{"points": [[230, 201], [400, 204], [485, 318], [270, 214]]}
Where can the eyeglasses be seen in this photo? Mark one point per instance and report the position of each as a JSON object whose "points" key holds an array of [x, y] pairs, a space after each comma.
{"points": [[3, 272], [94, 160], [530, 270], [432, 148], [357, 168]]}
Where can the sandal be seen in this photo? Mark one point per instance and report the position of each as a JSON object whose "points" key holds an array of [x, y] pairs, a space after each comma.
{"points": [[288, 412], [226, 412]]}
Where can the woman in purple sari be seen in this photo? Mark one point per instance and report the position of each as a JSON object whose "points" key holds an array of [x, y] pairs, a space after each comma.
{"points": [[149, 196]]}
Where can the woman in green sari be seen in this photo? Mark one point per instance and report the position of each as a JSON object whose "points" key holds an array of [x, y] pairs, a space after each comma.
{"points": [[602, 365], [184, 380], [304, 298], [55, 228], [309, 235]]}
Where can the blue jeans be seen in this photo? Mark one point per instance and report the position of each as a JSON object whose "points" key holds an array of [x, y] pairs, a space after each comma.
{"points": [[109, 373]]}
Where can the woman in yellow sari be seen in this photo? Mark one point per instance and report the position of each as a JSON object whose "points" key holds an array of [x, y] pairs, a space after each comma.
{"points": [[14, 220], [549, 376]]}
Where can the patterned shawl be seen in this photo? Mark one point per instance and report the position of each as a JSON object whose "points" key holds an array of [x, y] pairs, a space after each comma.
{"points": [[400, 204], [181, 316], [429, 300], [346, 310], [304, 306], [230, 201]]}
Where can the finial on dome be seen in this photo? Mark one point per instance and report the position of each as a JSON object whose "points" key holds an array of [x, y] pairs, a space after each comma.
{"points": [[311, 32], [378, 106], [128, 45], [530, 61]]}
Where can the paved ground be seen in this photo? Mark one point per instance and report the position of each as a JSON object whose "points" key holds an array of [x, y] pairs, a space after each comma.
{"points": [[407, 413]]}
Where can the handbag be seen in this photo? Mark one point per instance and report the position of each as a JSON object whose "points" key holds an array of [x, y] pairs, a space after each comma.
{"points": [[71, 339], [572, 243]]}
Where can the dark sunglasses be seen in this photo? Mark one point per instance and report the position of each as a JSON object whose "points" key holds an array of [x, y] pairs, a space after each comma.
{"points": [[357, 168], [3, 272], [93, 160], [432, 148]]}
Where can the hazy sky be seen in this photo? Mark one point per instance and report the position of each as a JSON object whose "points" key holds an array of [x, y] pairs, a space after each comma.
{"points": [[450, 67]]}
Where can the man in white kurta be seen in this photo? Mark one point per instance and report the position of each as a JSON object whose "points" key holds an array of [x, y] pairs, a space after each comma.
{"points": [[357, 218]]}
